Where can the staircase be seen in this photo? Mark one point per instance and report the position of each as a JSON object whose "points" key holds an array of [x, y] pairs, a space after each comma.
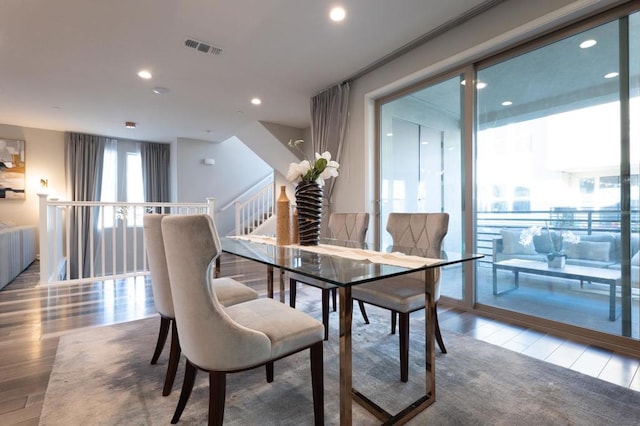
{"points": [[256, 211]]}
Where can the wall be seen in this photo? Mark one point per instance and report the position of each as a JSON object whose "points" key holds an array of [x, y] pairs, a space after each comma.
{"points": [[44, 155], [236, 169], [502, 26]]}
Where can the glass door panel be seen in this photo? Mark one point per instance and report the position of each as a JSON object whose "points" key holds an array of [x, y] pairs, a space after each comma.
{"points": [[421, 163], [548, 177]]}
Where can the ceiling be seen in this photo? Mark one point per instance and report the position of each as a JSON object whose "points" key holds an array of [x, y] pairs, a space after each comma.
{"points": [[571, 78], [71, 65]]}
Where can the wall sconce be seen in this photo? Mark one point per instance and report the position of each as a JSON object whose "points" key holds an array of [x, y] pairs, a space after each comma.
{"points": [[209, 161], [44, 183]]}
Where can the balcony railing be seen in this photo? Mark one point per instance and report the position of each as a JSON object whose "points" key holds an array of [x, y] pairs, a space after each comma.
{"points": [[578, 221], [115, 243]]}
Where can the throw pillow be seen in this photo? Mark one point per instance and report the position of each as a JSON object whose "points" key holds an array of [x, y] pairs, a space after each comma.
{"points": [[511, 243], [588, 250]]}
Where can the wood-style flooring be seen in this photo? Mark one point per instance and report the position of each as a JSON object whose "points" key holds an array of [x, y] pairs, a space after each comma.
{"points": [[32, 318]]}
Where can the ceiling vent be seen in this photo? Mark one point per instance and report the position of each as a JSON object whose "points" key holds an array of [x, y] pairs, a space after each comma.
{"points": [[202, 46]]}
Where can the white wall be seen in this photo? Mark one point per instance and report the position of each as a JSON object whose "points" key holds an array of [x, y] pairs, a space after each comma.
{"points": [[44, 156], [235, 170], [502, 26]]}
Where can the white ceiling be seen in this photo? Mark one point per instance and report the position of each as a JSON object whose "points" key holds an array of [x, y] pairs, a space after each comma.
{"points": [[72, 64]]}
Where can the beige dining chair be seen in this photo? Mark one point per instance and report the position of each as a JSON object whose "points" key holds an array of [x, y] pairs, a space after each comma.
{"points": [[222, 340], [230, 292], [423, 232], [345, 227]]}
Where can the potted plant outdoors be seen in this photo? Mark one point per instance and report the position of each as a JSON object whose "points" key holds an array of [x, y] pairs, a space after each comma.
{"points": [[555, 258]]}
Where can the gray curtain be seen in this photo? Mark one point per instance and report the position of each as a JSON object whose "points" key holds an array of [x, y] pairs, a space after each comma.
{"points": [[328, 126], [84, 156], [155, 171]]}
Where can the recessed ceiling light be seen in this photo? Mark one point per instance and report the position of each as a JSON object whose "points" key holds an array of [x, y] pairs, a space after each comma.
{"points": [[588, 43], [130, 124], [337, 14], [144, 74], [389, 134], [507, 103], [256, 101], [160, 90], [481, 85], [611, 75]]}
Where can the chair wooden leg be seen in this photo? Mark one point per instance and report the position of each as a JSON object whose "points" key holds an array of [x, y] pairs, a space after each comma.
{"points": [[269, 369], [325, 312], [438, 335], [404, 346], [162, 338], [317, 383], [187, 386], [292, 292], [363, 311], [334, 296], [217, 394], [393, 322], [174, 360]]}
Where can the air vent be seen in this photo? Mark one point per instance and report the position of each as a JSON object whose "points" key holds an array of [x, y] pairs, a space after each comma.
{"points": [[202, 46]]}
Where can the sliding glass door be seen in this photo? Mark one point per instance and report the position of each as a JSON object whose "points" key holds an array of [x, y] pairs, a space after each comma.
{"points": [[552, 172], [555, 176]]}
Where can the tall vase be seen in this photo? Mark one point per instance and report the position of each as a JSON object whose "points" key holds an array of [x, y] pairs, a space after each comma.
{"points": [[309, 206], [283, 226]]}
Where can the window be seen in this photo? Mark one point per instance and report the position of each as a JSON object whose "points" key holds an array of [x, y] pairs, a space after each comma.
{"points": [[122, 181]]}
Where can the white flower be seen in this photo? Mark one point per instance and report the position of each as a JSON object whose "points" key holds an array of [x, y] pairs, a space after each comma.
{"points": [[298, 170], [322, 168], [526, 235]]}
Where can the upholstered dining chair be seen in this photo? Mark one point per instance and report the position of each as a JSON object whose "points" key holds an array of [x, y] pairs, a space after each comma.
{"points": [[404, 294], [222, 340], [342, 226], [230, 292]]}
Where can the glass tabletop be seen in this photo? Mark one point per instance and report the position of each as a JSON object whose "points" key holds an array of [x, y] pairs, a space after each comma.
{"points": [[333, 267]]}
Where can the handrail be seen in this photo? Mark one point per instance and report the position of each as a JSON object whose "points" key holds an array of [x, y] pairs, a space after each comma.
{"points": [[115, 245], [255, 211], [252, 189]]}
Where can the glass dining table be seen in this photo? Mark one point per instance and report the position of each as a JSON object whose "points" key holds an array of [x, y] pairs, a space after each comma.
{"points": [[346, 264]]}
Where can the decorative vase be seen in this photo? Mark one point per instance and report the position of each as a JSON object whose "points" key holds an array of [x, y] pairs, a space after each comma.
{"points": [[556, 260], [283, 225], [309, 206]]}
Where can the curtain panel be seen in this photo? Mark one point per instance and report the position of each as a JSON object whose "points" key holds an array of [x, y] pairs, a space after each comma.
{"points": [[155, 171], [329, 113], [84, 156]]}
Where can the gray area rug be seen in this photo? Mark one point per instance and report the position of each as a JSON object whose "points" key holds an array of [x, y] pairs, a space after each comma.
{"points": [[102, 376]]}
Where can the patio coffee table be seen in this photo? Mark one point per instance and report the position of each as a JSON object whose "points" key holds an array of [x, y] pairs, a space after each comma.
{"points": [[611, 277]]}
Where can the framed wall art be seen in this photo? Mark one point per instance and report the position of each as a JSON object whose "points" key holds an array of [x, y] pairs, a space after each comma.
{"points": [[12, 169]]}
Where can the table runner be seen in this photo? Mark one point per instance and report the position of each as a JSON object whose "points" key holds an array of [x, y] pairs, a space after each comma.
{"points": [[393, 258]]}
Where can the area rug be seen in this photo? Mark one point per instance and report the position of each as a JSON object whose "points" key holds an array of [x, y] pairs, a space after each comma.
{"points": [[103, 376]]}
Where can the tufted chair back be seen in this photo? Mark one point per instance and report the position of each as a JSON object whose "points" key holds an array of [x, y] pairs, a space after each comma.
{"points": [[192, 246], [348, 226], [422, 231]]}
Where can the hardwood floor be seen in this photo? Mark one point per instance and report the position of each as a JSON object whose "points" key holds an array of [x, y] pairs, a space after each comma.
{"points": [[32, 318]]}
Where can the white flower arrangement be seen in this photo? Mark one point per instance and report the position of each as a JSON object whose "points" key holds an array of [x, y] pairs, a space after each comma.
{"points": [[323, 168], [526, 238]]}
